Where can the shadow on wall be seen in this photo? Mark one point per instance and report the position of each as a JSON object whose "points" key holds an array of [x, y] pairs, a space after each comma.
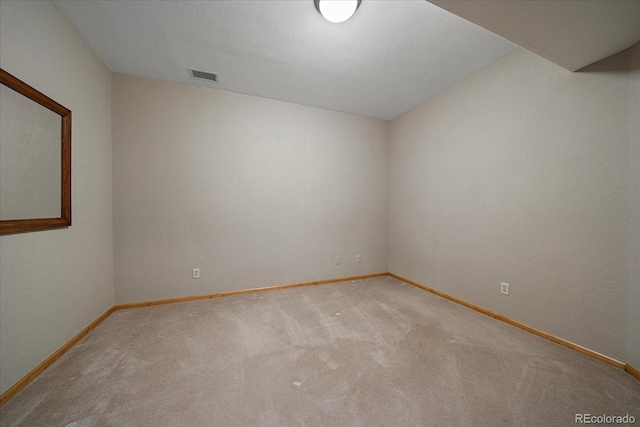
{"points": [[618, 63]]}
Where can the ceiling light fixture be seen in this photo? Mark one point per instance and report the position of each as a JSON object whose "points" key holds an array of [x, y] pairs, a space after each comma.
{"points": [[337, 10]]}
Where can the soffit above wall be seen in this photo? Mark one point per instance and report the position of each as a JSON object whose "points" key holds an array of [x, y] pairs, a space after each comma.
{"points": [[570, 33]]}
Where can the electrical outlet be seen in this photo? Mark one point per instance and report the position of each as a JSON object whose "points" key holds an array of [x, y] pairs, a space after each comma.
{"points": [[337, 260], [504, 288], [357, 258], [196, 273]]}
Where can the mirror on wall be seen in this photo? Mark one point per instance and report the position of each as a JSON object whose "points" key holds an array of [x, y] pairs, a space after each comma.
{"points": [[35, 159]]}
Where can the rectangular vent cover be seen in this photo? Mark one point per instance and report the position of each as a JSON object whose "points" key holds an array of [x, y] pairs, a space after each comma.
{"points": [[203, 75]]}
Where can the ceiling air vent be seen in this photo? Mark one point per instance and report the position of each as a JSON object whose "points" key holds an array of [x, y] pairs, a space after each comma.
{"points": [[203, 75]]}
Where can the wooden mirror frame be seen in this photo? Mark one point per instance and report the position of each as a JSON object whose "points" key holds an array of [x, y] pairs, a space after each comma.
{"points": [[13, 226]]}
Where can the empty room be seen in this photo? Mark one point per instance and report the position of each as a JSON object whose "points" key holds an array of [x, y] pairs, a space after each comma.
{"points": [[320, 213]]}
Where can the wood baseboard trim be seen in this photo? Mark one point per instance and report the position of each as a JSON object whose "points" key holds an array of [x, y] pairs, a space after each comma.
{"points": [[632, 371], [580, 349], [242, 291], [24, 381]]}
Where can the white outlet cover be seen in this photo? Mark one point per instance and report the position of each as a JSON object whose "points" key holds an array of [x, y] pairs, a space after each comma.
{"points": [[504, 288]]}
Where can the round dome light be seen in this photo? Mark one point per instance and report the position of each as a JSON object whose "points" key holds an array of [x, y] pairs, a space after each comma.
{"points": [[337, 10]]}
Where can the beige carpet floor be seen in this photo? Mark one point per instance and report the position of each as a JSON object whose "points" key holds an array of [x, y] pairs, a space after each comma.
{"points": [[362, 353]]}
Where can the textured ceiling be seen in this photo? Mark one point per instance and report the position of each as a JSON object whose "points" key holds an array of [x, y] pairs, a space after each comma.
{"points": [[389, 57], [570, 33]]}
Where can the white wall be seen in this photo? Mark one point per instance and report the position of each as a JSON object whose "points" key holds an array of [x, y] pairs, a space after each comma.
{"points": [[252, 191], [633, 301], [522, 173], [54, 283]]}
